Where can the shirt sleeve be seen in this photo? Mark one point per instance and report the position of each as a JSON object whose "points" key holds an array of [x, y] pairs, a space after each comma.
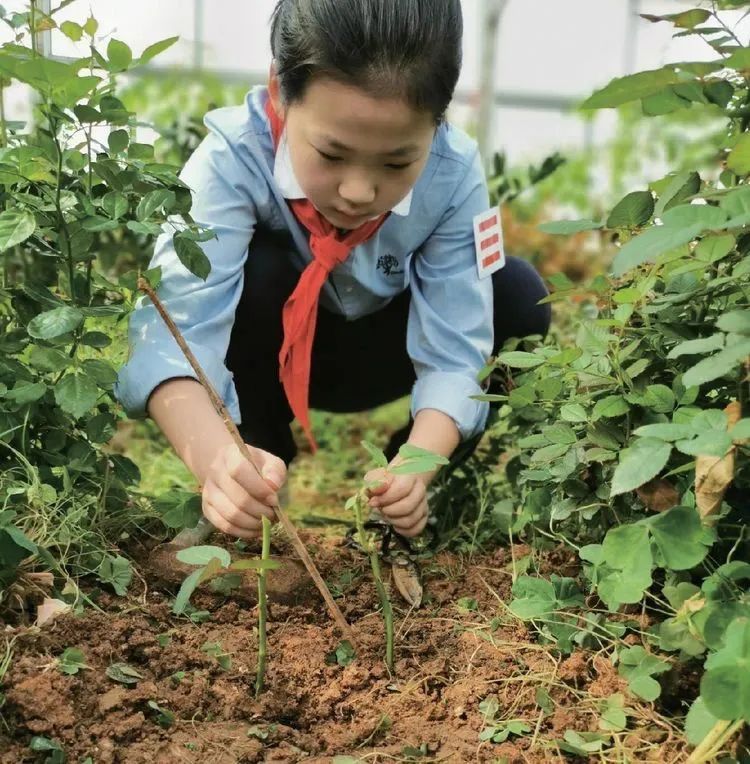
{"points": [[450, 331], [223, 183]]}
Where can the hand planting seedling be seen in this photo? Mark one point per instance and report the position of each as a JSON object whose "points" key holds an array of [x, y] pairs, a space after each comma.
{"points": [[411, 461], [221, 409]]}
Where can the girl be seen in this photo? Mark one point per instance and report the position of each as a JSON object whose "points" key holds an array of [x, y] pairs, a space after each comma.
{"points": [[344, 271]]}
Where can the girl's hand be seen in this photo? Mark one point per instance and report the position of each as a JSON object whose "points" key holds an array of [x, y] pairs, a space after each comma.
{"points": [[236, 497], [401, 499]]}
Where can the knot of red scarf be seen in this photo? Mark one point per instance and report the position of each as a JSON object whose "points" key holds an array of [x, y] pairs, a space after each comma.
{"points": [[329, 248]]}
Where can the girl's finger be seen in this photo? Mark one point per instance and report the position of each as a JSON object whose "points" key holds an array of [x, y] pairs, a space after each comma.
{"points": [[415, 530], [404, 505], [241, 499], [214, 517], [272, 469], [381, 479], [239, 469], [233, 514]]}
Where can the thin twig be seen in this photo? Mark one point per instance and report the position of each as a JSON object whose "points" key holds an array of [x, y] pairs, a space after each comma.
{"points": [[221, 409], [263, 610]]}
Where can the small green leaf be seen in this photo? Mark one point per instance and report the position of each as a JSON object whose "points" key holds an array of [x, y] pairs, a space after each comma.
{"points": [[192, 256], [517, 359], [154, 50], [118, 141], [697, 347], [202, 555], [719, 365], [124, 674], [76, 394], [632, 211], [120, 56], [117, 572], [610, 407], [15, 227], [375, 454], [54, 323], [569, 227], [71, 661], [643, 461], [153, 201], [189, 585]]}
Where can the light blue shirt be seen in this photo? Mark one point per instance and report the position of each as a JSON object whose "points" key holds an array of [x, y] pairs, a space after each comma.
{"points": [[238, 181]]}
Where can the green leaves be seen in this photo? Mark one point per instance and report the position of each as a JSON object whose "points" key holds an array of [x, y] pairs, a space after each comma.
{"points": [[116, 571], [15, 227], [202, 555], [54, 323], [76, 394], [71, 661], [632, 211], [725, 687], [681, 538], [191, 256], [681, 225], [120, 56], [642, 462], [154, 50], [539, 598], [153, 201], [123, 673], [377, 456], [639, 668]]}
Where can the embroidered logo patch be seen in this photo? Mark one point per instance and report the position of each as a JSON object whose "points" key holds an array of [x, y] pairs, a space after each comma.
{"points": [[488, 238], [389, 265]]}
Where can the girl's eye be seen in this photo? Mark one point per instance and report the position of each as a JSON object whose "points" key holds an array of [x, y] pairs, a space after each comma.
{"points": [[399, 166], [328, 157]]}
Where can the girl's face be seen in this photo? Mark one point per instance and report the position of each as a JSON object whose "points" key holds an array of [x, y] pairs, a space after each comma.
{"points": [[355, 156]]}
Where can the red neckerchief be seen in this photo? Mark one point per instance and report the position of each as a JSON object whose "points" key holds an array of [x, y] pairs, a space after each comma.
{"points": [[300, 315]]}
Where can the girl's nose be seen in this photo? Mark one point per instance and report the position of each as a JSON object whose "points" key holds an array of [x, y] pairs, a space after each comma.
{"points": [[357, 191]]}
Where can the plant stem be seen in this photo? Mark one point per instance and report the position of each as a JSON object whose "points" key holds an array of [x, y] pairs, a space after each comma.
{"points": [[372, 553], [262, 609], [3, 126], [714, 741]]}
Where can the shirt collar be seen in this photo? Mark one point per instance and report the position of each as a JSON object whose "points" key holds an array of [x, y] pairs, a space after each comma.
{"points": [[286, 180]]}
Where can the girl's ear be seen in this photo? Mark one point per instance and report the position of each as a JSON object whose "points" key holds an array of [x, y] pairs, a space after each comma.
{"points": [[274, 91]]}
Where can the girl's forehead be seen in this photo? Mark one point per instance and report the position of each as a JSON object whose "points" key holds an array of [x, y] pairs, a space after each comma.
{"points": [[348, 118]]}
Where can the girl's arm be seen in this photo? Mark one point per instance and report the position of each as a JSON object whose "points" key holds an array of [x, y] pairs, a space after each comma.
{"points": [[184, 413]]}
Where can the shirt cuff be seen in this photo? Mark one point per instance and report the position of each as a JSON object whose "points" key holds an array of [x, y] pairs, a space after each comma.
{"points": [[148, 367], [450, 393]]}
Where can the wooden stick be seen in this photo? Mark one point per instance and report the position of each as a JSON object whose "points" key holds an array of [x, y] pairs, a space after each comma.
{"points": [[221, 409]]}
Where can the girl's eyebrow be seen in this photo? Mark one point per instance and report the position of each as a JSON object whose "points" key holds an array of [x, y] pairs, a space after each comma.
{"points": [[399, 152]]}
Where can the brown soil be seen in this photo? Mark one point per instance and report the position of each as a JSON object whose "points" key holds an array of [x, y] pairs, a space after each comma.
{"points": [[448, 660]]}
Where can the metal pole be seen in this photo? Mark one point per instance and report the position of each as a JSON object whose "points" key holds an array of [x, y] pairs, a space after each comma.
{"points": [[492, 11], [43, 40], [632, 28], [198, 35]]}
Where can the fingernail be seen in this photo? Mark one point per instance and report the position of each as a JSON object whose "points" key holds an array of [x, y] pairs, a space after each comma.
{"points": [[374, 503], [274, 478]]}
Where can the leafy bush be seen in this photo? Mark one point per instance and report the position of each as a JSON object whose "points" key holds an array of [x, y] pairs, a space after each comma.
{"points": [[73, 185], [630, 443]]}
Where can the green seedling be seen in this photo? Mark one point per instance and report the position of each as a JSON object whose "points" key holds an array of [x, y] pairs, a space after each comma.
{"points": [[215, 650], [412, 461], [212, 560], [71, 661], [56, 753], [164, 717], [343, 655]]}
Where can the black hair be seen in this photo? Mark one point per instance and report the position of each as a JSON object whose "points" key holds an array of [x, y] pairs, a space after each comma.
{"points": [[409, 48]]}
